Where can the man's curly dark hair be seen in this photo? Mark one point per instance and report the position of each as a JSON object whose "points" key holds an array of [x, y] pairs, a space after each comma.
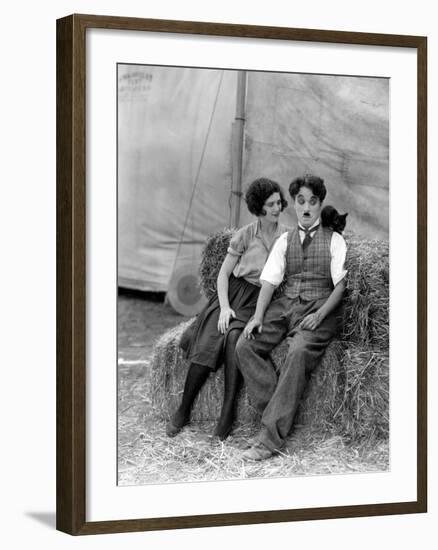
{"points": [[314, 183], [259, 191]]}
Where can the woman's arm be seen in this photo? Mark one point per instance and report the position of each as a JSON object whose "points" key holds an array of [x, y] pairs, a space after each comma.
{"points": [[263, 301], [271, 277], [226, 312]]}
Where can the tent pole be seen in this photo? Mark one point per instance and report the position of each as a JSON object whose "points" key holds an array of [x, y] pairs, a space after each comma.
{"points": [[237, 150]]}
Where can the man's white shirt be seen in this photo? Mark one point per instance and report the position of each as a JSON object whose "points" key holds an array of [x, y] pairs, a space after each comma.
{"points": [[275, 266]]}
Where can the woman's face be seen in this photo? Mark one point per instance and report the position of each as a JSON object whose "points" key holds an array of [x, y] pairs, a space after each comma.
{"points": [[272, 207], [307, 206]]}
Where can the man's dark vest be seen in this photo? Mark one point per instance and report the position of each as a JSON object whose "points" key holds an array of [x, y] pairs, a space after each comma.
{"points": [[308, 272]]}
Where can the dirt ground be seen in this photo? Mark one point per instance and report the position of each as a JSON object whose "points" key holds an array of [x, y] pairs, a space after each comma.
{"points": [[146, 455], [142, 318]]}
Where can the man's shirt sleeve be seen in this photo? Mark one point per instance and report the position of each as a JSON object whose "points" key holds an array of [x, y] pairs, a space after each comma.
{"points": [[275, 265], [338, 251]]}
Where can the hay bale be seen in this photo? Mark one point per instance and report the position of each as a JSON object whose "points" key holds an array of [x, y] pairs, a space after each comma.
{"points": [[366, 301], [364, 409], [169, 370], [347, 395], [213, 255]]}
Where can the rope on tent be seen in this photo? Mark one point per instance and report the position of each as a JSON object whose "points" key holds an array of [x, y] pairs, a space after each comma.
{"points": [[186, 279]]}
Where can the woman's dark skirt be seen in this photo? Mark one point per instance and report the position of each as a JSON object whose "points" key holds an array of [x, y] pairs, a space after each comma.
{"points": [[202, 343]]}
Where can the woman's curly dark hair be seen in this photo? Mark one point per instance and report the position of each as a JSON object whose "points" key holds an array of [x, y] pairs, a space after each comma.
{"points": [[259, 191], [314, 183]]}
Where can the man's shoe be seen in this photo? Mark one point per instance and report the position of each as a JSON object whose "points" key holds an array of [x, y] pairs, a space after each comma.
{"points": [[257, 452]]}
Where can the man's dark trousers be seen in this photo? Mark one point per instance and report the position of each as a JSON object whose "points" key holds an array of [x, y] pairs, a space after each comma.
{"points": [[276, 394]]}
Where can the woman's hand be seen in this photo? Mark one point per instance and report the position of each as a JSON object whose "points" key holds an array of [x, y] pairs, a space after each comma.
{"points": [[254, 325], [311, 321], [225, 316]]}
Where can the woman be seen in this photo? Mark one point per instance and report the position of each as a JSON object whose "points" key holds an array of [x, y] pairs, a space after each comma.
{"points": [[211, 340]]}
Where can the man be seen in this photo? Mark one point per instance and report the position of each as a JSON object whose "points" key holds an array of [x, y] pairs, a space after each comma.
{"points": [[312, 257]]}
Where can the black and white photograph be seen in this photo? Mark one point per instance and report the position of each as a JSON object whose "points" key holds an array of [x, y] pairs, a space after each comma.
{"points": [[252, 274], [218, 297]]}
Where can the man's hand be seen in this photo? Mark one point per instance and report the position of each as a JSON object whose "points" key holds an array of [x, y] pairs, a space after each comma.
{"points": [[252, 326], [311, 321], [225, 316]]}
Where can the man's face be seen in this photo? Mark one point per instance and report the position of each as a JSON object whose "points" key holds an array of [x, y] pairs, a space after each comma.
{"points": [[307, 206]]}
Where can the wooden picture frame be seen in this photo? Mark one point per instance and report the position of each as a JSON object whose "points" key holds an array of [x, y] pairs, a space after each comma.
{"points": [[71, 273]]}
